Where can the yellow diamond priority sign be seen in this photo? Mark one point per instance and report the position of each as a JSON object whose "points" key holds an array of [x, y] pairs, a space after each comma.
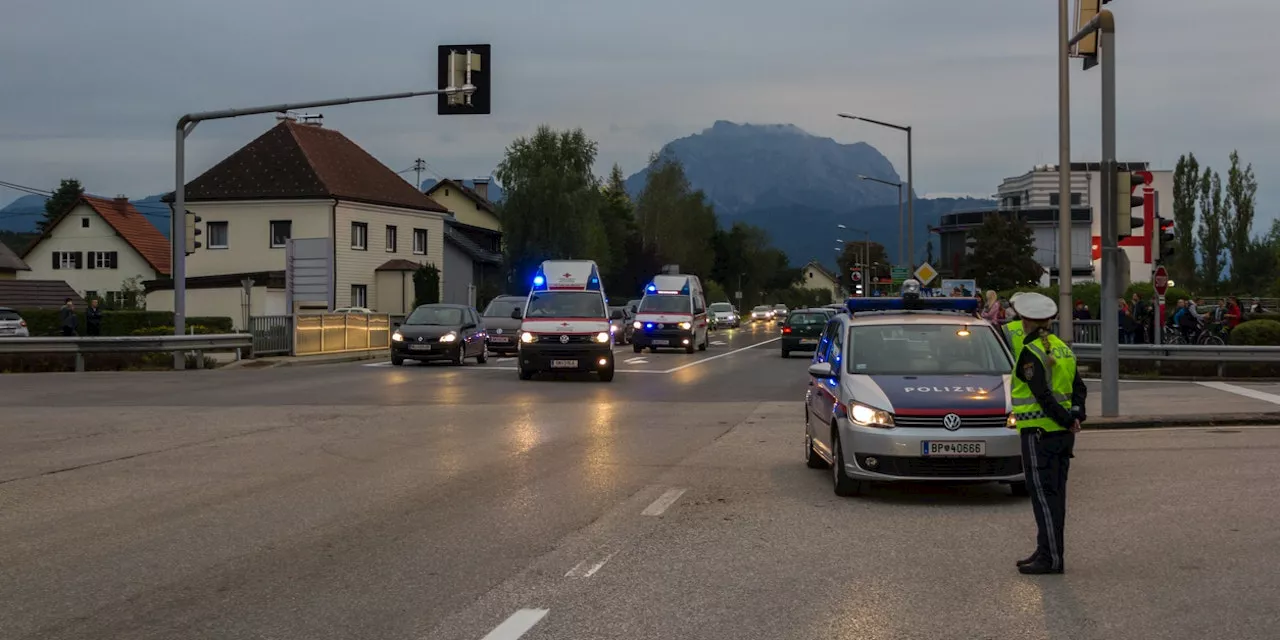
{"points": [[925, 274]]}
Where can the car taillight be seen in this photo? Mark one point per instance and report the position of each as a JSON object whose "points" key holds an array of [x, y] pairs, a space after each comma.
{"points": [[22, 323], [786, 329]]}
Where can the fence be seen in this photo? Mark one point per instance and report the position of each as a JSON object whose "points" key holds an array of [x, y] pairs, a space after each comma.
{"points": [[129, 344], [1222, 355], [339, 332], [272, 335]]}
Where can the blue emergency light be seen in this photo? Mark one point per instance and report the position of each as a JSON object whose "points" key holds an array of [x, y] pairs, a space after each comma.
{"points": [[653, 288], [538, 281], [967, 305]]}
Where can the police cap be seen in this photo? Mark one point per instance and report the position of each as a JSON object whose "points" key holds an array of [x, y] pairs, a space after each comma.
{"points": [[1034, 306]]}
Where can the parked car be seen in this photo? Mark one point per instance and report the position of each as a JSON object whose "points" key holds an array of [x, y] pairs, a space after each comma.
{"points": [[503, 330], [362, 310], [450, 332], [12, 325]]}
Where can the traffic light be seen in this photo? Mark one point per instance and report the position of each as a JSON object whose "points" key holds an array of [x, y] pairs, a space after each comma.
{"points": [[1126, 182], [192, 232], [1163, 248]]}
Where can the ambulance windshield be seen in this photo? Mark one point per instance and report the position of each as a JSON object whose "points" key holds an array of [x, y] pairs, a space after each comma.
{"points": [[665, 303], [565, 304]]}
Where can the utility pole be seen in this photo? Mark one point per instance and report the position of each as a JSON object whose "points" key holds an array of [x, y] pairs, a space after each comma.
{"points": [[1065, 330], [419, 166]]}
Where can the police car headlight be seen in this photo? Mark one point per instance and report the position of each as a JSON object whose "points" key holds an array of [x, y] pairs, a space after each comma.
{"points": [[686, 325], [603, 336], [636, 324], [397, 337], [526, 337], [449, 337], [865, 416]]}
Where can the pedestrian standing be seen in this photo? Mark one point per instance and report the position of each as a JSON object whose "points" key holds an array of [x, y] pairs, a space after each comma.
{"points": [[1048, 398], [93, 318], [67, 318]]}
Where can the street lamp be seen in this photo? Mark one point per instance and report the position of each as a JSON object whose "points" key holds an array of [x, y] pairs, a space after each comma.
{"points": [[866, 246], [899, 186], [911, 184]]}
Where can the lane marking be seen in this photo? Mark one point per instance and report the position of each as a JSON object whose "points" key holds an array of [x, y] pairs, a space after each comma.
{"points": [[718, 342], [635, 361], [586, 568], [663, 502], [517, 625], [1242, 391], [1144, 381], [722, 355]]}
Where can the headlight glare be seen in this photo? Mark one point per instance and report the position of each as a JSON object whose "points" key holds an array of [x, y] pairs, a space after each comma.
{"points": [[636, 324], [397, 337], [449, 337], [1011, 422], [603, 336], [526, 337], [686, 325], [865, 416]]}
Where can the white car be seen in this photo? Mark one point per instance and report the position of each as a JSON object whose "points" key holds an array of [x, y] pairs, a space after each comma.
{"points": [[12, 325], [762, 313]]}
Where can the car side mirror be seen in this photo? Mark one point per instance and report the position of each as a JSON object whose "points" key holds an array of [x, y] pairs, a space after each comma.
{"points": [[616, 315], [822, 370], [515, 314]]}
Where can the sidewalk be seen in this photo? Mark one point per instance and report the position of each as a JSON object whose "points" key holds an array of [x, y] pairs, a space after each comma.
{"points": [[273, 362], [1148, 404]]}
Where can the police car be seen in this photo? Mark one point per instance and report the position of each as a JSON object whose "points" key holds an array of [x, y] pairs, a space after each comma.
{"points": [[911, 389], [565, 323]]}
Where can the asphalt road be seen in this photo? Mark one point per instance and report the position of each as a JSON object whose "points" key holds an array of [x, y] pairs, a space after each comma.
{"points": [[433, 502]]}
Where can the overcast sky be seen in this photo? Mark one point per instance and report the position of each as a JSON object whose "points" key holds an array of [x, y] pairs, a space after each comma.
{"points": [[92, 89]]}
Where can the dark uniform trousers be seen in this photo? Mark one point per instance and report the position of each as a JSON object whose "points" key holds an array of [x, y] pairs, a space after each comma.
{"points": [[1046, 459]]}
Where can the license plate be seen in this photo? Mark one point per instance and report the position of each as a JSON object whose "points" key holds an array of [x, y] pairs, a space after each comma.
{"points": [[808, 341], [502, 340], [953, 449], [419, 347], [564, 364], [661, 343]]}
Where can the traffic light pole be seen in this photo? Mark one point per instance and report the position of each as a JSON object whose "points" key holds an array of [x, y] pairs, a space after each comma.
{"points": [[1065, 329], [178, 221]]}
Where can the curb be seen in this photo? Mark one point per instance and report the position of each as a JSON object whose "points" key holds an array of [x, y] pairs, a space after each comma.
{"points": [[305, 361], [1186, 420]]}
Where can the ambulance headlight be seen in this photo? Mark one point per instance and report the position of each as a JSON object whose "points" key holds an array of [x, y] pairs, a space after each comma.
{"points": [[603, 336], [526, 337], [449, 337], [637, 324], [686, 325], [865, 416]]}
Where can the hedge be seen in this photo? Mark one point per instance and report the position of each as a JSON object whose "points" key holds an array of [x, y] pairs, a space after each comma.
{"points": [[44, 322], [49, 362]]}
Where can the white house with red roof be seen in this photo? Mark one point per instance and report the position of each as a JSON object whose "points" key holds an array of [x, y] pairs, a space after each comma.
{"points": [[95, 246]]}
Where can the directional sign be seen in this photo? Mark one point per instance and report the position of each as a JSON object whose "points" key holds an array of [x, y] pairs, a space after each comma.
{"points": [[925, 273], [1160, 280], [900, 274]]}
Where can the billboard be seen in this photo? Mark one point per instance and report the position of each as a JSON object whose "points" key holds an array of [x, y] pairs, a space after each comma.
{"points": [[308, 271], [958, 288]]}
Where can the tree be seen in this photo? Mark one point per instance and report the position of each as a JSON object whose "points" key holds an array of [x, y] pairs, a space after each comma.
{"points": [[552, 204], [1210, 233], [426, 285], [628, 271], [69, 190], [132, 294], [1186, 190], [1003, 254], [676, 222], [1237, 222]]}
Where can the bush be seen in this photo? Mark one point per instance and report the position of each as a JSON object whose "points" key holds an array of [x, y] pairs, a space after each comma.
{"points": [[192, 329], [426, 285], [53, 362], [1256, 332], [44, 322]]}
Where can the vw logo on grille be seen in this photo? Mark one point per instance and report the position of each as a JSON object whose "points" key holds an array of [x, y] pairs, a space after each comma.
{"points": [[661, 326], [565, 340], [951, 421], [419, 338]]}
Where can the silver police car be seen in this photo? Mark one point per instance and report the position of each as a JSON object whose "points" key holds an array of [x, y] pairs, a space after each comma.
{"points": [[911, 389]]}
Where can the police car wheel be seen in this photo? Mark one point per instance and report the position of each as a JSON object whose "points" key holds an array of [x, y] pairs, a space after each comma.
{"points": [[844, 485], [483, 357], [1019, 489], [811, 457]]}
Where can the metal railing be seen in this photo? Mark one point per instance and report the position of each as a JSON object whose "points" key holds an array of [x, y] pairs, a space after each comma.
{"points": [[129, 344], [321, 333], [272, 335], [1086, 331], [1222, 355]]}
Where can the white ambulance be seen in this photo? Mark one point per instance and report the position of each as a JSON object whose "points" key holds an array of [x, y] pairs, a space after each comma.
{"points": [[672, 315], [565, 323]]}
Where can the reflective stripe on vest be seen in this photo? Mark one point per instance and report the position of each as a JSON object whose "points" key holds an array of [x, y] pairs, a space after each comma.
{"points": [[1026, 409]]}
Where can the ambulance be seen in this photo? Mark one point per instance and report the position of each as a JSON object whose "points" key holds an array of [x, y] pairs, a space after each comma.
{"points": [[672, 315], [564, 325]]}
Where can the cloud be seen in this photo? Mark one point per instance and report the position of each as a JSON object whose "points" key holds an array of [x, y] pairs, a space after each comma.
{"points": [[976, 81]]}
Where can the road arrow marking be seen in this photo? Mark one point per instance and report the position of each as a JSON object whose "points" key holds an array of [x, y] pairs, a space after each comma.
{"points": [[635, 361]]}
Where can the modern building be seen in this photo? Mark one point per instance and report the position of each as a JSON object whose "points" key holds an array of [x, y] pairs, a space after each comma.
{"points": [[97, 245], [816, 276]]}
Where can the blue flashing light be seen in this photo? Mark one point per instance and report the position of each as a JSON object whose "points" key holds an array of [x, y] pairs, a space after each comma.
{"points": [[538, 281], [653, 288], [968, 305]]}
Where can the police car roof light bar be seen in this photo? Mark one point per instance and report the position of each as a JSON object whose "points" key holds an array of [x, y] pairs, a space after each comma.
{"points": [[966, 305]]}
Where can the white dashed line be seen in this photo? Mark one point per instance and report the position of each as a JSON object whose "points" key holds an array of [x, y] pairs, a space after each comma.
{"points": [[722, 355], [587, 568], [635, 361], [517, 625], [663, 502], [1242, 391]]}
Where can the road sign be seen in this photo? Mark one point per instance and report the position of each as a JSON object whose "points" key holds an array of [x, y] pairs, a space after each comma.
{"points": [[1160, 280], [925, 274], [462, 65], [899, 274], [737, 295], [856, 275]]}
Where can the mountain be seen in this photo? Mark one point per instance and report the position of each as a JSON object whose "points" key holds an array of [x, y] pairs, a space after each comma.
{"points": [[24, 214], [799, 186], [495, 192]]}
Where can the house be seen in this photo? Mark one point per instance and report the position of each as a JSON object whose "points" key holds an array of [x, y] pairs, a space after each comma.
{"points": [[815, 276], [300, 180], [95, 246], [38, 294], [468, 206], [10, 263]]}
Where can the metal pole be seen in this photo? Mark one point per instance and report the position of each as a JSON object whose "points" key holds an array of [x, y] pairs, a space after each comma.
{"points": [[1110, 228], [1065, 330], [178, 243], [900, 223], [911, 207]]}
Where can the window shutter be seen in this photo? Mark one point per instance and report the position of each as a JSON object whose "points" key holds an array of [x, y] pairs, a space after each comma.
{"points": [[56, 263], [115, 264], [79, 259], [92, 255]]}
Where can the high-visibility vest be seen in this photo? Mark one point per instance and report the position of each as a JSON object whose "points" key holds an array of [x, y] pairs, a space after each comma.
{"points": [[1016, 333], [1026, 409]]}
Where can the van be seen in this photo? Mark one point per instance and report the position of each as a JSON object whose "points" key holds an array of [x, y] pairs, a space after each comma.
{"points": [[564, 324], [672, 314]]}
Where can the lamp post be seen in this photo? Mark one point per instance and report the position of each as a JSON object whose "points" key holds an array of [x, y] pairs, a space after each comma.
{"points": [[866, 250], [911, 185], [899, 186]]}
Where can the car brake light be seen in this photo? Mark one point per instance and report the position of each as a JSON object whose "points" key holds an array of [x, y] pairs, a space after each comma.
{"points": [[786, 329]]}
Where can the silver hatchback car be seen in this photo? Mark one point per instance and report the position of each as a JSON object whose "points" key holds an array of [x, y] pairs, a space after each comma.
{"points": [[914, 390]]}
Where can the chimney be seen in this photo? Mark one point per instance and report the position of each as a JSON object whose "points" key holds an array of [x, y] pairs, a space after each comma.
{"points": [[122, 200], [482, 187]]}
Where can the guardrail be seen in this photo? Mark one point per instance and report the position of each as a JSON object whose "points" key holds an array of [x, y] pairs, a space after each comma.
{"points": [[1223, 355], [128, 344]]}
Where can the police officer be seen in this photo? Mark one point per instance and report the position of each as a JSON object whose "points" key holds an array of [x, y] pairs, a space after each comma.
{"points": [[1048, 404], [1013, 330]]}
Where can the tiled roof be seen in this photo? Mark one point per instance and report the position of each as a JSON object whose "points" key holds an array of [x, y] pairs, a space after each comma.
{"points": [[9, 261], [37, 294], [128, 223], [466, 191], [470, 247], [297, 161], [399, 264]]}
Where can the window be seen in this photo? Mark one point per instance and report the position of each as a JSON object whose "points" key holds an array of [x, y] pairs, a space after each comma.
{"points": [[67, 260], [90, 295], [360, 236], [926, 349], [502, 307], [435, 315], [281, 231], [359, 295], [391, 239], [665, 303], [217, 235], [84, 223], [1054, 199], [420, 241], [568, 304], [103, 260]]}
